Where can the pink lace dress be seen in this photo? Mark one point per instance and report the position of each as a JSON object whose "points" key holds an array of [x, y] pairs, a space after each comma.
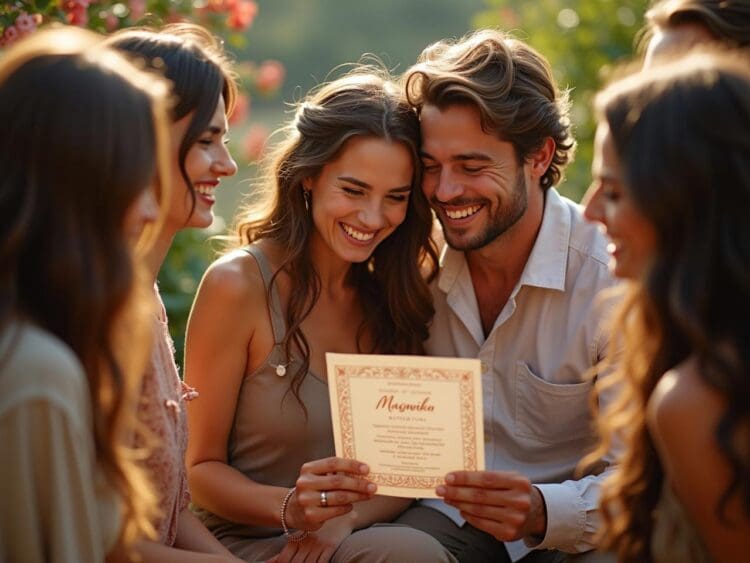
{"points": [[162, 409]]}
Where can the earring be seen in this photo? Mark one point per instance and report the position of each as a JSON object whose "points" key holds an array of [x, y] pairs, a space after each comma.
{"points": [[306, 197]]}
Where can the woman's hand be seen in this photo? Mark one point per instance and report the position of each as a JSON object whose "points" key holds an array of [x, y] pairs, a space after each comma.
{"points": [[319, 546], [327, 488]]}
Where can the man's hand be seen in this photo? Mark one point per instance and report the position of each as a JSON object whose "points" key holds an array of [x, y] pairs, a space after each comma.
{"points": [[500, 503]]}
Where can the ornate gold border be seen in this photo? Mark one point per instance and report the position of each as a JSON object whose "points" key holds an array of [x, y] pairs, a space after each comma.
{"points": [[344, 374]]}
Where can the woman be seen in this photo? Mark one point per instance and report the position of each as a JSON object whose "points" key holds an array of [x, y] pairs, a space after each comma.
{"points": [[672, 190], [675, 25], [329, 260], [204, 90], [75, 194]]}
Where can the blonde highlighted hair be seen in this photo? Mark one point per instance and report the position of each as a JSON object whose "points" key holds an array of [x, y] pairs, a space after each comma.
{"points": [[85, 133]]}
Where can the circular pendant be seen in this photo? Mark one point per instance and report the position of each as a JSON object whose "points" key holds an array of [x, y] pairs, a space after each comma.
{"points": [[281, 370]]}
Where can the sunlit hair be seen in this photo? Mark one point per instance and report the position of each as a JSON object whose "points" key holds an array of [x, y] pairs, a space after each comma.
{"points": [[391, 288], [82, 130], [680, 132], [195, 63], [727, 20], [510, 84]]}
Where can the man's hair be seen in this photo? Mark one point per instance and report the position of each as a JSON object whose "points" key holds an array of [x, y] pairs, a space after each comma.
{"points": [[511, 85]]}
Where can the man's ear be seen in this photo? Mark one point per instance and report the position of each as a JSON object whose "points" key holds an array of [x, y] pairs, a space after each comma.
{"points": [[307, 184], [540, 159]]}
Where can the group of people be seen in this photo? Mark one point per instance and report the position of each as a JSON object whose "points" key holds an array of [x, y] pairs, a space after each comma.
{"points": [[409, 215]]}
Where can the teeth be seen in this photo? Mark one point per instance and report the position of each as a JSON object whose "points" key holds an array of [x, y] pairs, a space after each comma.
{"points": [[461, 213], [205, 189], [357, 234]]}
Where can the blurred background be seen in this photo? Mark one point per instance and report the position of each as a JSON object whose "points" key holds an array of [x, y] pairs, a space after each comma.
{"points": [[285, 47]]}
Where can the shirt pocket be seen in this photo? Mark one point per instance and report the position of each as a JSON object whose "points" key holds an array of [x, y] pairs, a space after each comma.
{"points": [[551, 413]]}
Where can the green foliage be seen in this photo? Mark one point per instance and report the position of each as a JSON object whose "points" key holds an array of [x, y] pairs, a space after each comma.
{"points": [[581, 39], [189, 256]]}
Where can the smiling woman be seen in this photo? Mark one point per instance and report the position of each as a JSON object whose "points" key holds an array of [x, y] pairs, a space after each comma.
{"points": [[331, 261], [672, 189], [204, 93]]}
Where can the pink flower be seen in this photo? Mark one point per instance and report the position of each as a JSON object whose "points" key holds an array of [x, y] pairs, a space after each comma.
{"points": [[10, 36], [78, 16], [241, 109], [175, 17], [219, 6], [25, 24], [73, 5], [137, 9], [242, 14], [254, 143], [111, 22], [270, 76], [76, 11]]}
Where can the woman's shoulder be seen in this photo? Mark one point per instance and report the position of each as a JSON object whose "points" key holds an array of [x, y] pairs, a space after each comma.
{"points": [[683, 403], [237, 276], [681, 390], [36, 365]]}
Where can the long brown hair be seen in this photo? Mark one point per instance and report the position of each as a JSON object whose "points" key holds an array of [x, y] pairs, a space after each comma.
{"points": [[390, 285], [82, 129], [680, 132], [198, 68]]}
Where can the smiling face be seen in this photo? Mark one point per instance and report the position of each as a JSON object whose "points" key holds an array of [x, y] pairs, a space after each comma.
{"points": [[472, 179], [206, 162], [633, 237], [361, 197]]}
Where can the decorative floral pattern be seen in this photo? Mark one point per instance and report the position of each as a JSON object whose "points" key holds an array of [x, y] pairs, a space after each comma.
{"points": [[162, 410]]}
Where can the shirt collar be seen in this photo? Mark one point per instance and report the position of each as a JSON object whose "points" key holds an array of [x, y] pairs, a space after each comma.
{"points": [[548, 260]]}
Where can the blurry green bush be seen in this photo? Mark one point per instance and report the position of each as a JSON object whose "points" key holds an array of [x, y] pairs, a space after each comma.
{"points": [[581, 39]]}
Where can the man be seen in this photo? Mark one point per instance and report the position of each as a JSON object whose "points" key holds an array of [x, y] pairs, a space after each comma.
{"points": [[517, 289]]}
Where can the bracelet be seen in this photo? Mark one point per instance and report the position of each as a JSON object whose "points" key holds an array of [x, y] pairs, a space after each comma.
{"points": [[299, 535]]}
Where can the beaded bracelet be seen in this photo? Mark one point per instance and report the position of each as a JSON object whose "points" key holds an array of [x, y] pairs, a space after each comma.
{"points": [[299, 535]]}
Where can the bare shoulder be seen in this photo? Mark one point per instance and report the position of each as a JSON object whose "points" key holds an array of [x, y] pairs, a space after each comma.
{"points": [[683, 406], [681, 392], [234, 276], [234, 279]]}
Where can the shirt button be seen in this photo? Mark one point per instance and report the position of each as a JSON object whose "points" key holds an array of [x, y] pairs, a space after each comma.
{"points": [[484, 366]]}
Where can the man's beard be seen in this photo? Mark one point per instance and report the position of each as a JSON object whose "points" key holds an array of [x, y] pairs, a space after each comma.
{"points": [[502, 219]]}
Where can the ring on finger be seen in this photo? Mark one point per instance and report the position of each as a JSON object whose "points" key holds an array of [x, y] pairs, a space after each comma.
{"points": [[323, 498]]}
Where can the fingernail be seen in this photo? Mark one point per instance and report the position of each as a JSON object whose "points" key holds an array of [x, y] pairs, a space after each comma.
{"points": [[364, 469], [440, 491], [372, 487], [450, 478]]}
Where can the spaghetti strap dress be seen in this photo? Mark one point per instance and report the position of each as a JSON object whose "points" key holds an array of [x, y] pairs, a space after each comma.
{"points": [[272, 434]]}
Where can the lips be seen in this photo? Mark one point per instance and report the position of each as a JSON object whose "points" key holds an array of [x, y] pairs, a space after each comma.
{"points": [[462, 213], [458, 214], [356, 235], [206, 190]]}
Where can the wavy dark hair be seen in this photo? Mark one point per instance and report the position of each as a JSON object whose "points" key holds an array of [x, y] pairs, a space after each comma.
{"points": [[391, 285], [194, 61], [727, 20], [680, 132], [82, 129], [511, 85]]}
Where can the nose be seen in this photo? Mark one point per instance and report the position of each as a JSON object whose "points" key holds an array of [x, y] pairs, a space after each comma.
{"points": [[371, 215], [593, 202], [446, 187], [224, 164]]}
